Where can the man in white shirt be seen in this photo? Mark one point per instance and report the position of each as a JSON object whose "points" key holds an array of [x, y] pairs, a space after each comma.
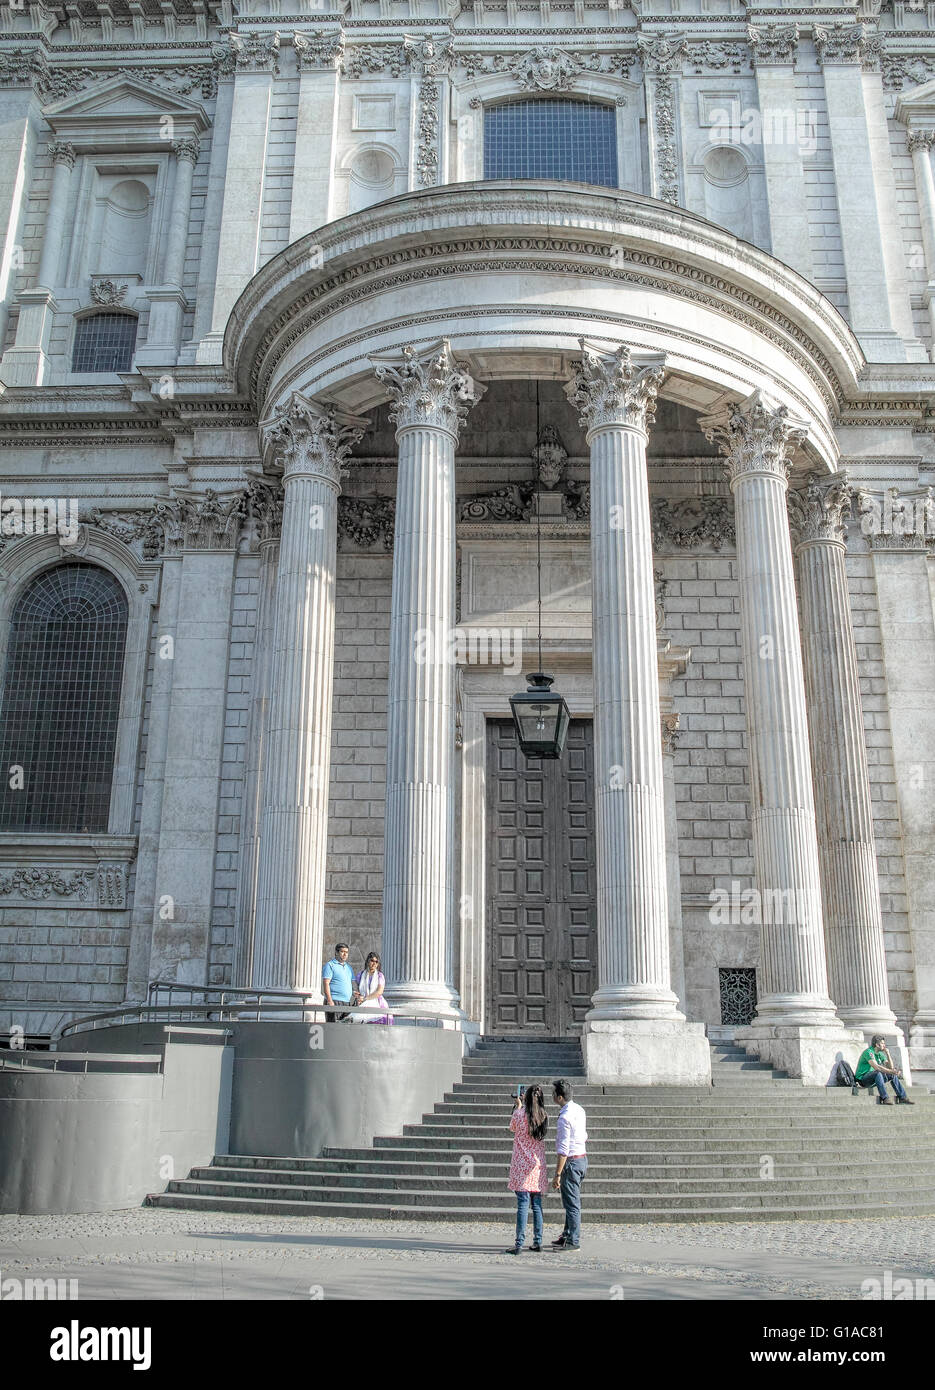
{"points": [[572, 1163]]}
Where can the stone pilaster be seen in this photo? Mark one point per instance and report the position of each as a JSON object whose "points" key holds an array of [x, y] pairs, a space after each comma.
{"points": [[774, 48], [265, 502], [430, 394], [635, 1025], [167, 302], [853, 921], [920, 144], [26, 363], [796, 1027], [310, 445]]}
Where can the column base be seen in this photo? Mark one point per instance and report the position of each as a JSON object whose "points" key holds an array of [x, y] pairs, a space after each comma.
{"points": [[807, 1052], [623, 1003], [646, 1052]]}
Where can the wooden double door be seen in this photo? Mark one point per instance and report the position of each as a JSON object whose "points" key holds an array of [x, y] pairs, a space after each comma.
{"points": [[541, 912]]}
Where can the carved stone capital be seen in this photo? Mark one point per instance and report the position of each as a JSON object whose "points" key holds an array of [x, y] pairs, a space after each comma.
{"points": [[318, 50], [254, 52], [819, 510], [200, 521], [60, 152], [187, 149], [429, 388], [845, 44], [615, 388], [919, 140], [304, 438], [773, 45], [756, 437], [264, 503]]}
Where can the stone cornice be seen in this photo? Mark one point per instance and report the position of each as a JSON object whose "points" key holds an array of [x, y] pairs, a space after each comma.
{"points": [[652, 244]]}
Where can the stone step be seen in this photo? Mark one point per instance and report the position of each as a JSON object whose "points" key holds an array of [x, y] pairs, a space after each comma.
{"points": [[467, 1194], [652, 1167], [599, 1184], [618, 1215], [721, 1144], [608, 1125]]}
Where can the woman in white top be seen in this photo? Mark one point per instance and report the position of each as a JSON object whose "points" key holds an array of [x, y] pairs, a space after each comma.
{"points": [[370, 985]]}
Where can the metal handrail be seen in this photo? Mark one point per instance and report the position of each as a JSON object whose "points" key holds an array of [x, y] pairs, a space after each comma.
{"points": [[73, 1061], [234, 1008]]}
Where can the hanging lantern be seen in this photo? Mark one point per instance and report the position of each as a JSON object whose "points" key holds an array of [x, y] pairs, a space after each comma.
{"points": [[541, 718]]}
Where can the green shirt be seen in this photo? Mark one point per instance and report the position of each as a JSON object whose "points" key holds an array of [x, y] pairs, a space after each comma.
{"points": [[870, 1059]]}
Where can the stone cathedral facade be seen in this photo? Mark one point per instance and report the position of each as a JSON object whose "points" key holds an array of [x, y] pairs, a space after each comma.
{"points": [[328, 333]]}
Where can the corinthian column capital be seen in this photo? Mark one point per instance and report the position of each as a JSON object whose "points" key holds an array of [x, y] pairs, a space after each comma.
{"points": [[306, 439], [615, 388], [756, 436], [427, 388], [819, 511]]}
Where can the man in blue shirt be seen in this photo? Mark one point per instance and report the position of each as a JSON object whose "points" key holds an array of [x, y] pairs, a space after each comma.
{"points": [[337, 981]]}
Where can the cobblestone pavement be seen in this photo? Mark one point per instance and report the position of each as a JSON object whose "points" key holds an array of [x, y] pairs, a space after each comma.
{"points": [[147, 1253]]}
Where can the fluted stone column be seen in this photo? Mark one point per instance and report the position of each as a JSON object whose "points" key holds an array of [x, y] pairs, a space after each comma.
{"points": [[795, 1027], [853, 921], [311, 446], [26, 363], [430, 394], [634, 1030]]}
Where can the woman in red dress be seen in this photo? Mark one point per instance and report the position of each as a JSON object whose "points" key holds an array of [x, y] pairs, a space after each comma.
{"points": [[528, 1169]]}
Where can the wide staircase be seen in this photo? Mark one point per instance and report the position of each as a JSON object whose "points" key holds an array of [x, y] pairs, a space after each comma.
{"points": [[756, 1146]]}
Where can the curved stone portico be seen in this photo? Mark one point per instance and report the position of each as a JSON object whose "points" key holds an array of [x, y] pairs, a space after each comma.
{"points": [[536, 281]]}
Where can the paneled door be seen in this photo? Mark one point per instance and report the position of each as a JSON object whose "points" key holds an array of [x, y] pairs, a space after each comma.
{"points": [[541, 942]]}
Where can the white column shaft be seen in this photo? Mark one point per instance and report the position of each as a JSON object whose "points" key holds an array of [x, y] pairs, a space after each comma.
{"points": [[288, 935], [420, 733], [632, 914], [794, 986], [853, 921]]}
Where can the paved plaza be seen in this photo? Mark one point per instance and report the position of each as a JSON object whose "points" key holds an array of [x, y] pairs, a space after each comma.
{"points": [[155, 1254]]}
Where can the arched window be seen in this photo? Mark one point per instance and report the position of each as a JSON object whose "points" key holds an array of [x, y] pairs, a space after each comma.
{"points": [[551, 139], [61, 701], [104, 343]]}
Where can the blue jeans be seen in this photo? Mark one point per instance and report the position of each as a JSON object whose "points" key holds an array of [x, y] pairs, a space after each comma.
{"points": [[522, 1211], [570, 1189], [881, 1081]]}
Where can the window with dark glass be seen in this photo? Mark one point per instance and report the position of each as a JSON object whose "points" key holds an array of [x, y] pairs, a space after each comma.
{"points": [[551, 139], [61, 700], [104, 343]]}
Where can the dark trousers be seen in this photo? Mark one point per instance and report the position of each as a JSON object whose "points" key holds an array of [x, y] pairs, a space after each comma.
{"points": [[573, 1174], [879, 1080]]}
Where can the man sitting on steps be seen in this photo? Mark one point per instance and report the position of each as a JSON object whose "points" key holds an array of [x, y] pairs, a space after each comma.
{"points": [[876, 1067]]}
